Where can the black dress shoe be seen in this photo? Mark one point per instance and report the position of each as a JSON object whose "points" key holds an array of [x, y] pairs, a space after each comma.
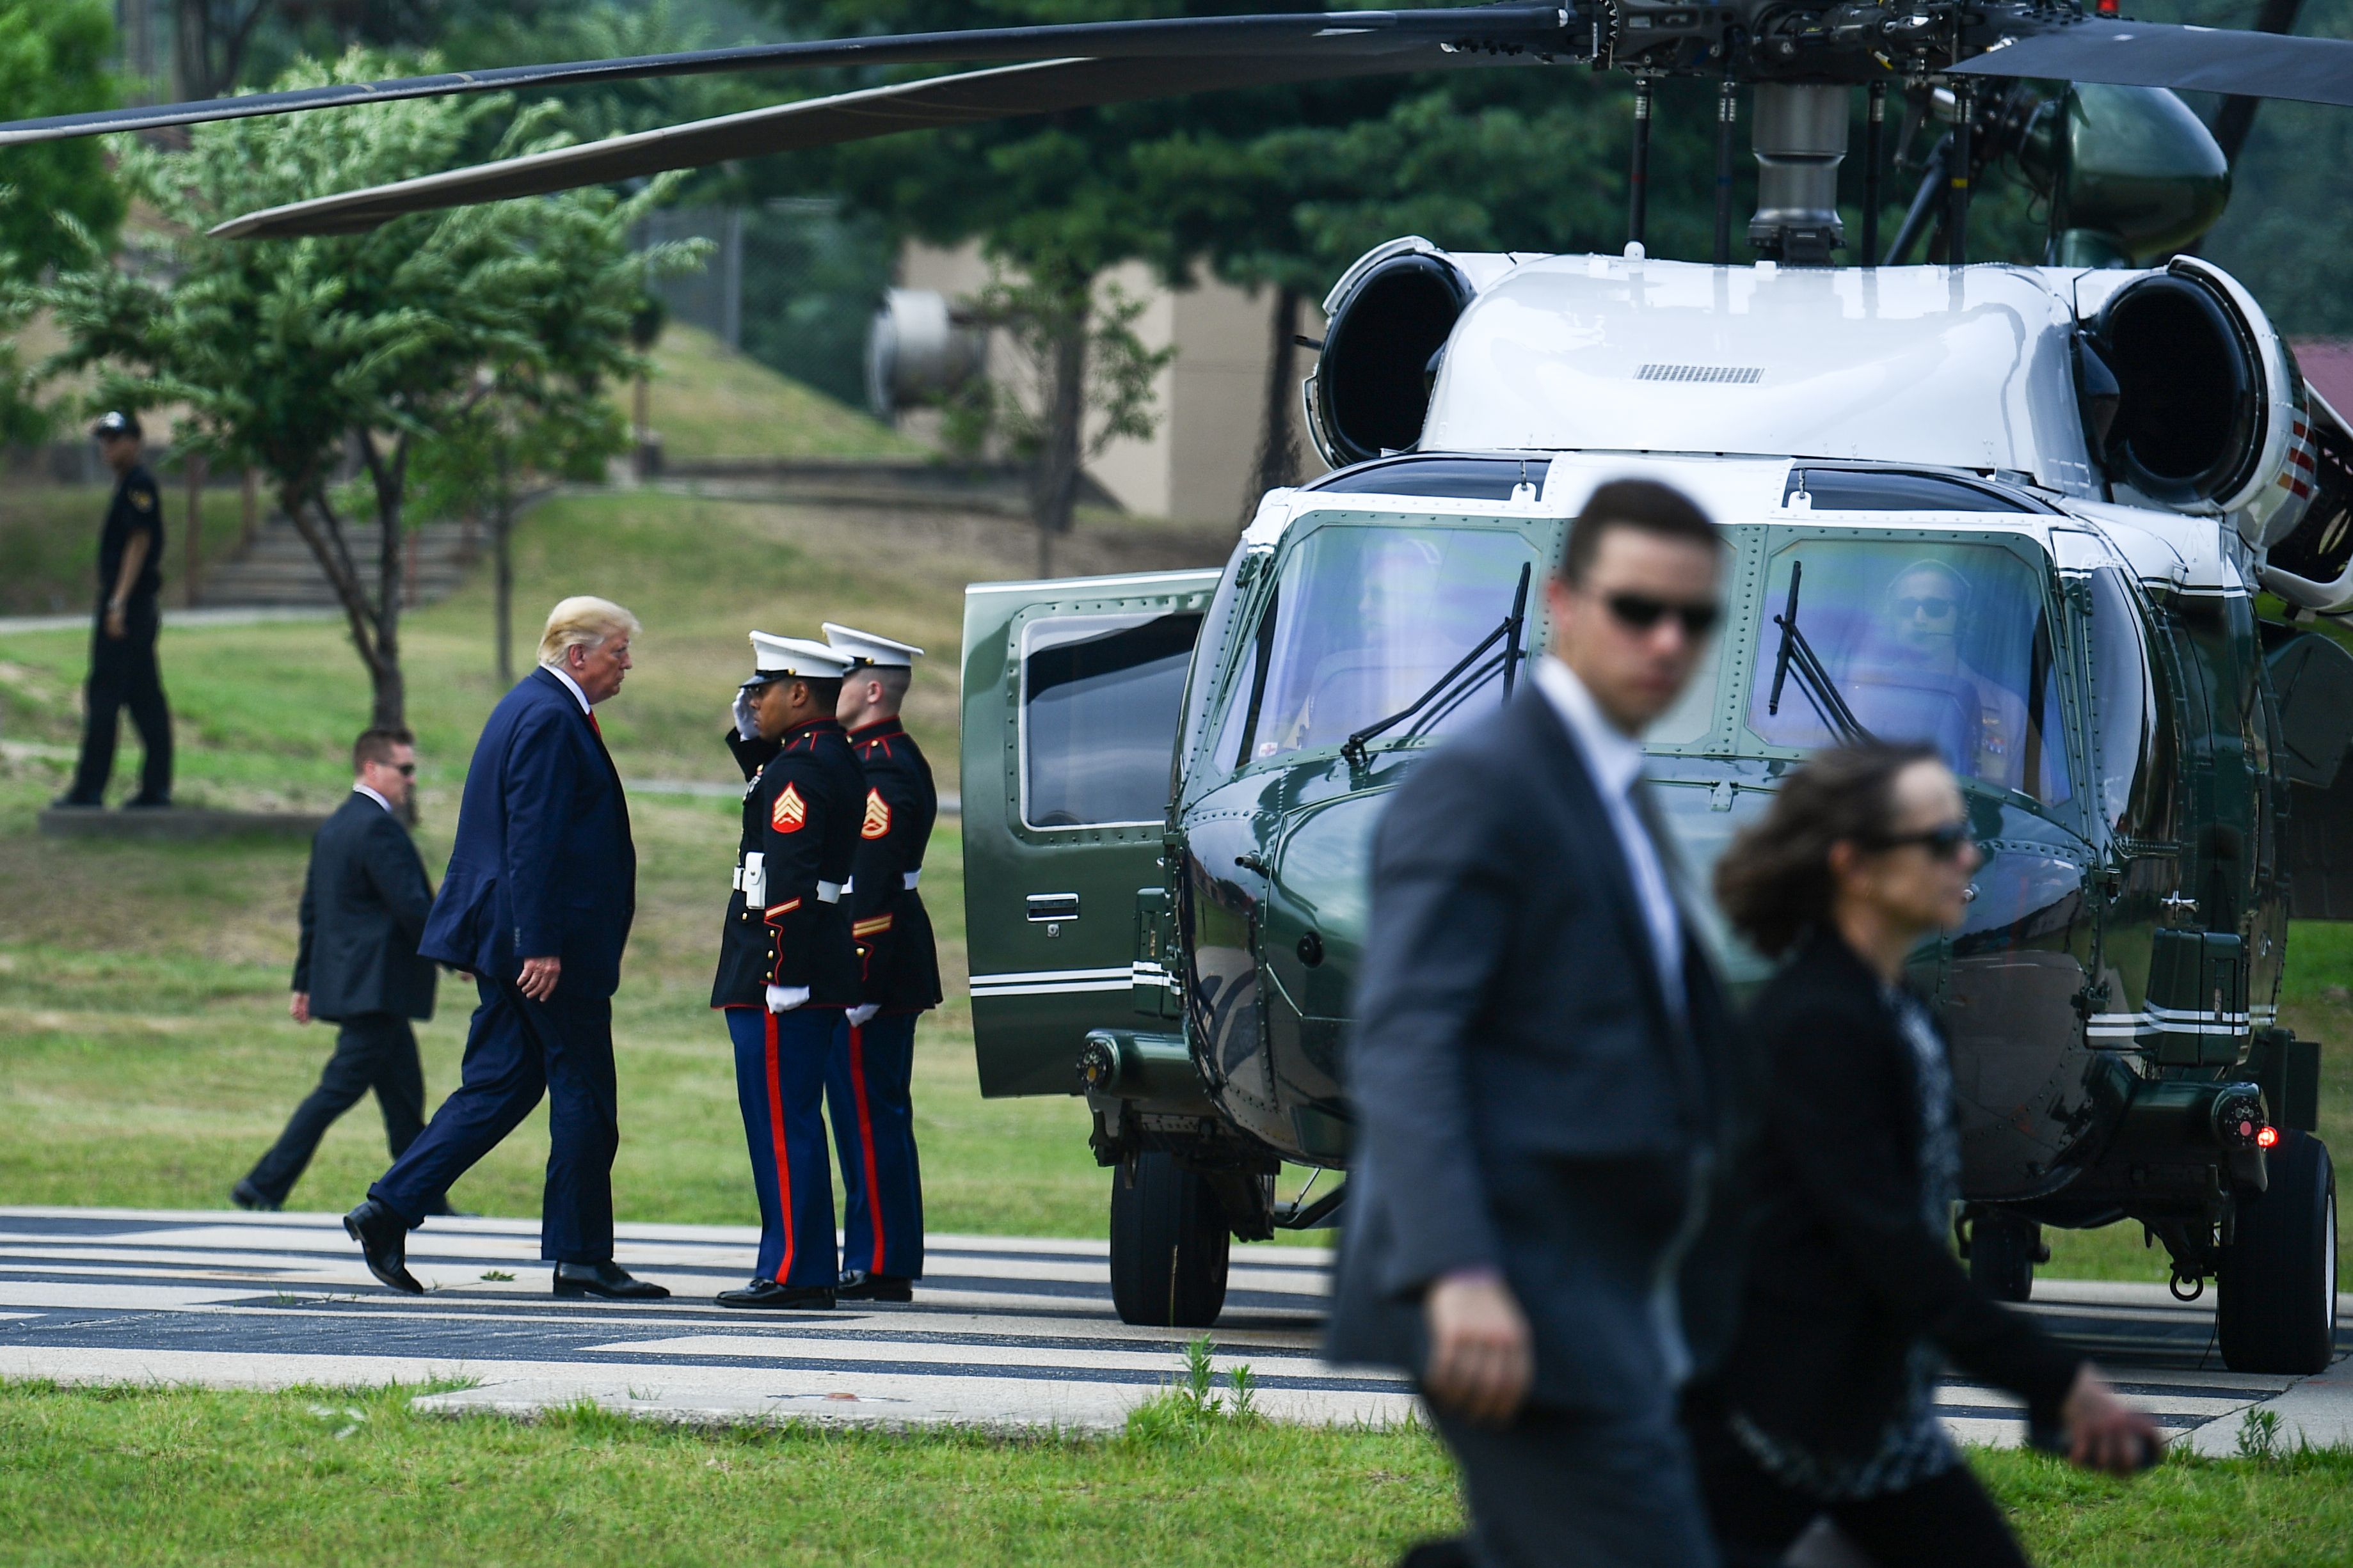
{"points": [[857, 1285], [383, 1236], [1453, 1552], [77, 803], [246, 1195], [609, 1281], [768, 1294]]}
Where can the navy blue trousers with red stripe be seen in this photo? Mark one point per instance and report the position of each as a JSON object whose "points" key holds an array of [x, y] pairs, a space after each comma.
{"points": [[780, 1059], [866, 1088]]}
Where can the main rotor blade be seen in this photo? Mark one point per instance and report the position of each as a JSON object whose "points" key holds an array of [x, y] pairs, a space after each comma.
{"points": [[970, 97], [1539, 29], [2194, 60]]}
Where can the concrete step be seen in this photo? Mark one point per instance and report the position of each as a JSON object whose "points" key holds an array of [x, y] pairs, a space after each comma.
{"points": [[278, 570]]}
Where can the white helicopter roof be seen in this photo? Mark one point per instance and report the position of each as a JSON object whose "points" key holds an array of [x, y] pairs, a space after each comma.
{"points": [[1965, 369]]}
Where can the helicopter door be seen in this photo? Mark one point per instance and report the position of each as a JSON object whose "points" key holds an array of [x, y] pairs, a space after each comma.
{"points": [[1073, 691]]}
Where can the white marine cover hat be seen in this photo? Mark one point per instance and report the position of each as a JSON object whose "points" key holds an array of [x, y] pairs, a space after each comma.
{"points": [[781, 658], [865, 647]]}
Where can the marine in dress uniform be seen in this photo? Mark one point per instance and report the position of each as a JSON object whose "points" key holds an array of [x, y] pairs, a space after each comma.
{"points": [[122, 668], [867, 1081], [788, 965]]}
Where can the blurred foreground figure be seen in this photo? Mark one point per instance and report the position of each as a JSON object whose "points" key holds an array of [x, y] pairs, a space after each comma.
{"points": [[1827, 1401], [365, 902], [122, 668], [869, 1082], [1545, 1085], [537, 904]]}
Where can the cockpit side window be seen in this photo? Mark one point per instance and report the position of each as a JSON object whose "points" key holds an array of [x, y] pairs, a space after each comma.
{"points": [[2125, 720], [1944, 642], [1363, 620]]}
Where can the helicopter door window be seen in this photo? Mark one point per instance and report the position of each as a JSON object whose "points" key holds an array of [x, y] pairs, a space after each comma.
{"points": [[1942, 643], [1362, 621], [1099, 698], [2124, 703]]}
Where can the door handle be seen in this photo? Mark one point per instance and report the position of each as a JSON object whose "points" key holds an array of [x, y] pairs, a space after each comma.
{"points": [[1053, 906]]}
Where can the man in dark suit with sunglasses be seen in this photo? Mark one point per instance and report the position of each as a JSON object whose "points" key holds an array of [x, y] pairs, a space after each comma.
{"points": [[364, 900], [1547, 1091]]}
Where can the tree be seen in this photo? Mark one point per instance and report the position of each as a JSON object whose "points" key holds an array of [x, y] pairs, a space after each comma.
{"points": [[525, 430], [292, 357]]}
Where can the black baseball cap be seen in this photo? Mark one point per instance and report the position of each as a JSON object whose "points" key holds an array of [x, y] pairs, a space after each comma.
{"points": [[116, 423]]}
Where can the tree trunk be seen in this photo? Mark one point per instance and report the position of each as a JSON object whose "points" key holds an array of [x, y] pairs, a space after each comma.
{"points": [[314, 518], [389, 478], [1054, 493], [502, 571], [1278, 449]]}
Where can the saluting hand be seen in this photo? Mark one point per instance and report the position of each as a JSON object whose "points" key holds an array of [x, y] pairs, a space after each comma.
{"points": [[539, 977], [1481, 1356]]}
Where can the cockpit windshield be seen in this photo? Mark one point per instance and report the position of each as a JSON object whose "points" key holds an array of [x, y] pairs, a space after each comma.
{"points": [[1361, 622], [1942, 643]]}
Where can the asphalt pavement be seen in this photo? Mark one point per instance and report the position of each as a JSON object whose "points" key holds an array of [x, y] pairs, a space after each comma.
{"points": [[1004, 1331]]}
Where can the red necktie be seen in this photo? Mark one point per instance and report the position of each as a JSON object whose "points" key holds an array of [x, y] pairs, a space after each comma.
{"points": [[594, 725]]}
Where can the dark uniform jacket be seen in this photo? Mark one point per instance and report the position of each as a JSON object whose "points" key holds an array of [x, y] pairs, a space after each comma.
{"points": [[1844, 1275], [543, 865], [1528, 1100], [893, 932], [136, 508], [801, 817], [365, 902]]}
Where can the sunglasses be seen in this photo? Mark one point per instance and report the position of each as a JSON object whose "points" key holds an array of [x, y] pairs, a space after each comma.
{"points": [[1936, 609], [1640, 613], [1943, 841]]}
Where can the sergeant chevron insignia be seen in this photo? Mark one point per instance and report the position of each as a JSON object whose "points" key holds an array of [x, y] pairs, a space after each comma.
{"points": [[790, 811], [878, 816]]}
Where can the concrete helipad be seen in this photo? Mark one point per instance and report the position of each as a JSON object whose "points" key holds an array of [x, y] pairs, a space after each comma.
{"points": [[1004, 1331]]}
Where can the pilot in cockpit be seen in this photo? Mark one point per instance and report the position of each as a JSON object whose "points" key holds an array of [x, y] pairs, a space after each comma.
{"points": [[1925, 611]]}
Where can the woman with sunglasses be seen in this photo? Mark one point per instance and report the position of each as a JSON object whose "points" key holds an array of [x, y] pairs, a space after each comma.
{"points": [[1853, 1301]]}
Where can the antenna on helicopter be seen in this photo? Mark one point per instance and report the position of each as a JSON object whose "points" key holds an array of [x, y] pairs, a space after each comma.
{"points": [[1638, 183]]}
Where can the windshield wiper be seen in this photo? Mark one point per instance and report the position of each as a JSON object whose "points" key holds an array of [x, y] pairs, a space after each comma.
{"points": [[1821, 692], [1508, 634]]}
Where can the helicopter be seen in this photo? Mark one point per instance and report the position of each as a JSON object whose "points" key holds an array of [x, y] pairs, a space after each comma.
{"points": [[2021, 512]]}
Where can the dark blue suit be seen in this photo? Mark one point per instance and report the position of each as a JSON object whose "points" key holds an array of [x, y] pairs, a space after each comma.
{"points": [[543, 866]]}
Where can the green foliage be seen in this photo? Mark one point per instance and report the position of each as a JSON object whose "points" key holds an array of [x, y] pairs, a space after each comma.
{"points": [[53, 57], [1037, 318], [2259, 1434], [1191, 1410], [287, 355]]}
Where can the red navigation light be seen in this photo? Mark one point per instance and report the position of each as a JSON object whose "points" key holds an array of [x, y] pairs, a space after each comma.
{"points": [[2267, 1139], [2110, 7]]}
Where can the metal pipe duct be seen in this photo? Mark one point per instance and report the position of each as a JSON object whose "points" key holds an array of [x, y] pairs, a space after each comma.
{"points": [[1799, 138]]}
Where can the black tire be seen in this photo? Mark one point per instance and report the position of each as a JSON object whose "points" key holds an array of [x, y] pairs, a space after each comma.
{"points": [[2003, 1250], [2278, 1279], [1169, 1246]]}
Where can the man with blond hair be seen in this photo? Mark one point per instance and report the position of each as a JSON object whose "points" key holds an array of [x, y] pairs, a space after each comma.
{"points": [[536, 905]]}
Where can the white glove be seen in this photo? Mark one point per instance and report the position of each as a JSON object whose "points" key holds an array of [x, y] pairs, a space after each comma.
{"points": [[862, 1012], [785, 998], [747, 727]]}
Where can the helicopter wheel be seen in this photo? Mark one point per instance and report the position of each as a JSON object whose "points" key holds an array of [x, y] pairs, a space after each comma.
{"points": [[2278, 1278], [2003, 1250], [1169, 1244]]}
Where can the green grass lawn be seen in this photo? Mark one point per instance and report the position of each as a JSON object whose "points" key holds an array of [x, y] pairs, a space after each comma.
{"points": [[707, 402], [182, 1477]]}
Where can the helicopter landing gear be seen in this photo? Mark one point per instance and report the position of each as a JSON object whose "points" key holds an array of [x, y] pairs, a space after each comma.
{"points": [[1169, 1243], [2003, 1250], [2278, 1277]]}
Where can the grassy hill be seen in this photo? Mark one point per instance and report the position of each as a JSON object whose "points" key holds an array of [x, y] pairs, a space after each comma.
{"points": [[708, 403]]}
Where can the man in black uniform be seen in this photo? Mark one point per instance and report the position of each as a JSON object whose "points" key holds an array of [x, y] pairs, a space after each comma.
{"points": [[364, 900], [867, 1082], [786, 966], [123, 671]]}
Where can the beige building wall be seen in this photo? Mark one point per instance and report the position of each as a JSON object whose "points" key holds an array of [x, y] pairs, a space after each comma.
{"points": [[1202, 457]]}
